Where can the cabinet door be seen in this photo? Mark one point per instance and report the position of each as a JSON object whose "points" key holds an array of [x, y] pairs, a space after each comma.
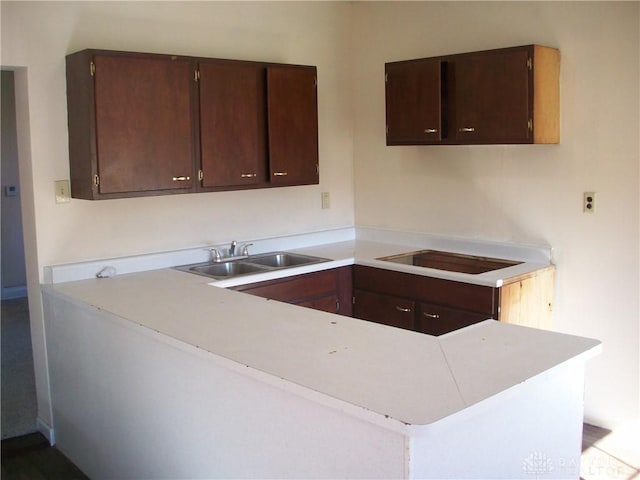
{"points": [[493, 97], [413, 102], [143, 124], [232, 124], [292, 110], [438, 320], [386, 309]]}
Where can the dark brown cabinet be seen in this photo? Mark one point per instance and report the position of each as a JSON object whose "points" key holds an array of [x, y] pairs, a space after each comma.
{"points": [[232, 124], [425, 304], [152, 124], [386, 309], [414, 102], [131, 125], [293, 125], [501, 96], [326, 290]]}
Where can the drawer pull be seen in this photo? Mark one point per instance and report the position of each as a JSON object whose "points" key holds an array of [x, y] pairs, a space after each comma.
{"points": [[280, 174], [431, 315], [181, 179], [431, 130], [402, 309], [467, 129], [248, 175]]}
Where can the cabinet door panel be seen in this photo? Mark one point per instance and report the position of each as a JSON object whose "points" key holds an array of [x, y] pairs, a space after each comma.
{"points": [[385, 309], [293, 289], [144, 123], [293, 125], [328, 304], [437, 320], [493, 101], [413, 102], [232, 124]]}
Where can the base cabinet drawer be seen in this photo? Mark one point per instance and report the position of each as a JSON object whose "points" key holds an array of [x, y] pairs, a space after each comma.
{"points": [[385, 309], [437, 320]]}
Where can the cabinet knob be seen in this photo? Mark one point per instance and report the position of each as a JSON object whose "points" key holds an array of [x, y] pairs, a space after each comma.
{"points": [[402, 309], [279, 174], [431, 315], [467, 129], [248, 175], [181, 179], [431, 130]]}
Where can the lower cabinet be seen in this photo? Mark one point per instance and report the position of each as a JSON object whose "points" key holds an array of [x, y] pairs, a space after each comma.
{"points": [[386, 309], [327, 290], [435, 306], [438, 320]]}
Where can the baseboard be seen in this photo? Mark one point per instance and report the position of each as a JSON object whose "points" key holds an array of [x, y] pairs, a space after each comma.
{"points": [[9, 293], [46, 430]]}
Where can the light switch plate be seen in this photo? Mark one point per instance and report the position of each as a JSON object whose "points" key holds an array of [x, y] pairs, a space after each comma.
{"points": [[63, 191]]}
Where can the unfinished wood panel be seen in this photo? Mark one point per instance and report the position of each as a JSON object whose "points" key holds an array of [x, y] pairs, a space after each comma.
{"points": [[546, 95], [529, 301]]}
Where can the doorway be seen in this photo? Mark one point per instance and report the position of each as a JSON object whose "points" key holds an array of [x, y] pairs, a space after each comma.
{"points": [[18, 401]]}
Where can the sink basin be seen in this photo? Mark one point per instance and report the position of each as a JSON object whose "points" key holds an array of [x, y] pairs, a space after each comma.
{"points": [[283, 259], [253, 264], [226, 269], [452, 262]]}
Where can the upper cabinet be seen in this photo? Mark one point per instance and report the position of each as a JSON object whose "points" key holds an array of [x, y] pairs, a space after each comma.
{"points": [[500, 96], [293, 125], [233, 131], [150, 124], [131, 125]]}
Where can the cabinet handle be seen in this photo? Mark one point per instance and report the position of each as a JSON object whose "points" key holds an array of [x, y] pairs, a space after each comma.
{"points": [[431, 315], [181, 179], [280, 174], [431, 130], [248, 175], [467, 129], [402, 309]]}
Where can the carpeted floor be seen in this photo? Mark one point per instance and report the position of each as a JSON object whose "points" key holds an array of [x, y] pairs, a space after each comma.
{"points": [[18, 406]]}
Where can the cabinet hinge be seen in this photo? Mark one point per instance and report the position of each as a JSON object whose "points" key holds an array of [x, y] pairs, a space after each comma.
{"points": [[337, 305], [529, 63], [315, 81], [92, 68], [96, 180], [317, 169], [196, 75], [353, 300], [387, 130], [200, 175], [386, 78], [530, 125]]}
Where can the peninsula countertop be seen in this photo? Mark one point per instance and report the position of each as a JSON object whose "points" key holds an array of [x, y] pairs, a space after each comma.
{"points": [[406, 379]]}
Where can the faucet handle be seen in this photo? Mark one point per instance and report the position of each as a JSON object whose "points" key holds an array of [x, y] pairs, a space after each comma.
{"points": [[215, 255], [245, 249]]}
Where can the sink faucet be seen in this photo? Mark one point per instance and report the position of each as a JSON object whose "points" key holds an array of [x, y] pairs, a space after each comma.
{"points": [[232, 248]]}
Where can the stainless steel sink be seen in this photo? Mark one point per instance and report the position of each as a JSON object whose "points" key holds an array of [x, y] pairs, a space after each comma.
{"points": [[284, 260], [452, 262], [226, 269], [250, 265]]}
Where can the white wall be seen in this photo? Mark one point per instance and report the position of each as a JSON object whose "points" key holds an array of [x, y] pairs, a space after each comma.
{"points": [[36, 36], [524, 194]]}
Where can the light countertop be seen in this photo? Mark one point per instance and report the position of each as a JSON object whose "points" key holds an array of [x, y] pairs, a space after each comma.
{"points": [[407, 378]]}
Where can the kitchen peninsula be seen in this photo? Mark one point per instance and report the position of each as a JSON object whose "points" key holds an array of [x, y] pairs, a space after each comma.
{"points": [[158, 374]]}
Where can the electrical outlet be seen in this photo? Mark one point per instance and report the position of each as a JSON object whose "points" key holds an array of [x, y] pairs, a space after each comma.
{"points": [[589, 202], [63, 194], [326, 201]]}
